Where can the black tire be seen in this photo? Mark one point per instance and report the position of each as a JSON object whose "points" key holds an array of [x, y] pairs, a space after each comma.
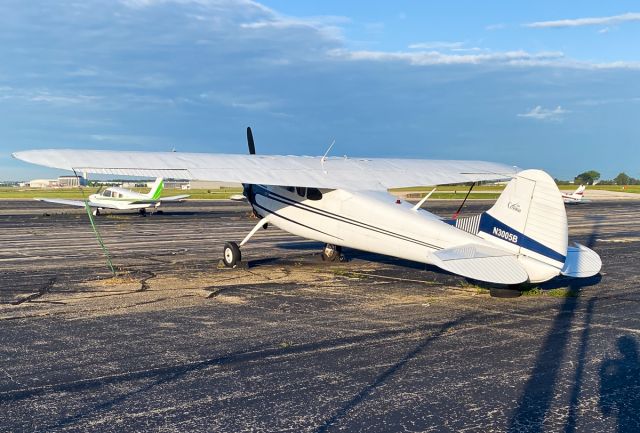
{"points": [[231, 255], [331, 253], [143, 212]]}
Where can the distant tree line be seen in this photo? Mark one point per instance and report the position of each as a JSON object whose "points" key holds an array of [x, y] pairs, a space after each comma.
{"points": [[592, 177]]}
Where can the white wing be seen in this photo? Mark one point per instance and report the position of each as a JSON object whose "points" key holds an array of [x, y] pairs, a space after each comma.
{"points": [[345, 173], [163, 199], [175, 198], [77, 203]]}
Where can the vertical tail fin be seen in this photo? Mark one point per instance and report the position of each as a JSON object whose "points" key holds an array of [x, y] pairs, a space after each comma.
{"points": [[529, 219], [156, 189], [579, 192]]}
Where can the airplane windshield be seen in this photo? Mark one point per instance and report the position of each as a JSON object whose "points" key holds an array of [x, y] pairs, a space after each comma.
{"points": [[107, 193]]}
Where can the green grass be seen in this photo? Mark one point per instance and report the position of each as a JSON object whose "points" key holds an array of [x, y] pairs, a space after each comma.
{"points": [[617, 188], [562, 292], [76, 193], [534, 291], [487, 192], [461, 196], [449, 188]]}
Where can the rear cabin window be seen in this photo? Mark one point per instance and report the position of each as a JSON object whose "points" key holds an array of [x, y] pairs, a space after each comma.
{"points": [[290, 189], [301, 191], [314, 194]]}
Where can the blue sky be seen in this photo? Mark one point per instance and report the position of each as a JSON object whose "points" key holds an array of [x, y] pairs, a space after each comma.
{"points": [[551, 85]]}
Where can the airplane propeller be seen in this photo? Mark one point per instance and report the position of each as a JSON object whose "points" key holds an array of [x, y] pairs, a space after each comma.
{"points": [[247, 189], [252, 147]]}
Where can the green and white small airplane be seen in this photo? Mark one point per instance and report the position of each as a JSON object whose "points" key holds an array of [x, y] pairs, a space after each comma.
{"points": [[122, 199]]}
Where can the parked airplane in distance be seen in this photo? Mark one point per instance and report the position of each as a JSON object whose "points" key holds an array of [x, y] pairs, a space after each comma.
{"points": [[344, 202], [122, 199], [576, 196]]}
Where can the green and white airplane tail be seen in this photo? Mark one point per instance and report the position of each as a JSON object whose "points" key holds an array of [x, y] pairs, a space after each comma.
{"points": [[156, 189]]}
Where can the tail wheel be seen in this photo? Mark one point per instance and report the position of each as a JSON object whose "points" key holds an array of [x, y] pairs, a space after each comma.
{"points": [[331, 253], [231, 254]]}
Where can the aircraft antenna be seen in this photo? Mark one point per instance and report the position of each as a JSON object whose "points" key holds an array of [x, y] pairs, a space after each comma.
{"points": [[324, 157]]}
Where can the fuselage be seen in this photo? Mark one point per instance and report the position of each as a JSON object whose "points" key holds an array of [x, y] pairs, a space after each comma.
{"points": [[370, 221], [122, 198]]}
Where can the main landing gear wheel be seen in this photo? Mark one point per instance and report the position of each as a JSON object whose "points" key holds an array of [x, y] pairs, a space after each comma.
{"points": [[331, 253], [231, 254], [143, 212]]}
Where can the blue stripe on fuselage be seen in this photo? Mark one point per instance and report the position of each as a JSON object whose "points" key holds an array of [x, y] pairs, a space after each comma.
{"points": [[489, 223]]}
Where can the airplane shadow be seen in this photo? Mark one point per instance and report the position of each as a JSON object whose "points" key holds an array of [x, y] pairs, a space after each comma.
{"points": [[301, 246], [539, 389], [163, 375], [573, 284], [366, 391]]}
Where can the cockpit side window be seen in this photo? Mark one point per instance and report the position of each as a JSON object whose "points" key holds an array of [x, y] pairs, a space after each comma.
{"points": [[301, 190], [107, 193], [314, 194]]}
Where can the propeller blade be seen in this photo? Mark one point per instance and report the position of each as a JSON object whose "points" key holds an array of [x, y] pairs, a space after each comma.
{"points": [[252, 147]]}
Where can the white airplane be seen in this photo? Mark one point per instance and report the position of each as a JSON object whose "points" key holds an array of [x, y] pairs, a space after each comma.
{"points": [[576, 196], [122, 199], [343, 202]]}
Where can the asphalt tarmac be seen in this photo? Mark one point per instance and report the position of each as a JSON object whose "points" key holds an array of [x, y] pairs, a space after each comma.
{"points": [[176, 343]]}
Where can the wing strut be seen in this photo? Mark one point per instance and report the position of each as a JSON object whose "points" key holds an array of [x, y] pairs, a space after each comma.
{"points": [[455, 215], [421, 202]]}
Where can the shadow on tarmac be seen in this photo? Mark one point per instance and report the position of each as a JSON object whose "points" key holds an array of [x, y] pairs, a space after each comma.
{"points": [[620, 386], [379, 380], [539, 390], [167, 374]]}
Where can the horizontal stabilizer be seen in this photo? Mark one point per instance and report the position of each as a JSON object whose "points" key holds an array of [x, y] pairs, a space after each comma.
{"points": [[78, 203], [481, 263], [581, 262], [152, 201], [175, 197]]}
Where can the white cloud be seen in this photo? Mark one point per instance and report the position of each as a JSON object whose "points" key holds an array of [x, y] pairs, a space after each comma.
{"points": [[593, 21], [517, 58], [424, 58], [548, 114], [45, 96]]}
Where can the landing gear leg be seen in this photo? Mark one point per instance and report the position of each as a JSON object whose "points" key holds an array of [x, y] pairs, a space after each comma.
{"points": [[143, 212], [96, 212], [231, 254], [332, 253]]}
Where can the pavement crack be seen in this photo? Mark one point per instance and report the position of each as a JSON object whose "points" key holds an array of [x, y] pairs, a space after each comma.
{"points": [[43, 290]]}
